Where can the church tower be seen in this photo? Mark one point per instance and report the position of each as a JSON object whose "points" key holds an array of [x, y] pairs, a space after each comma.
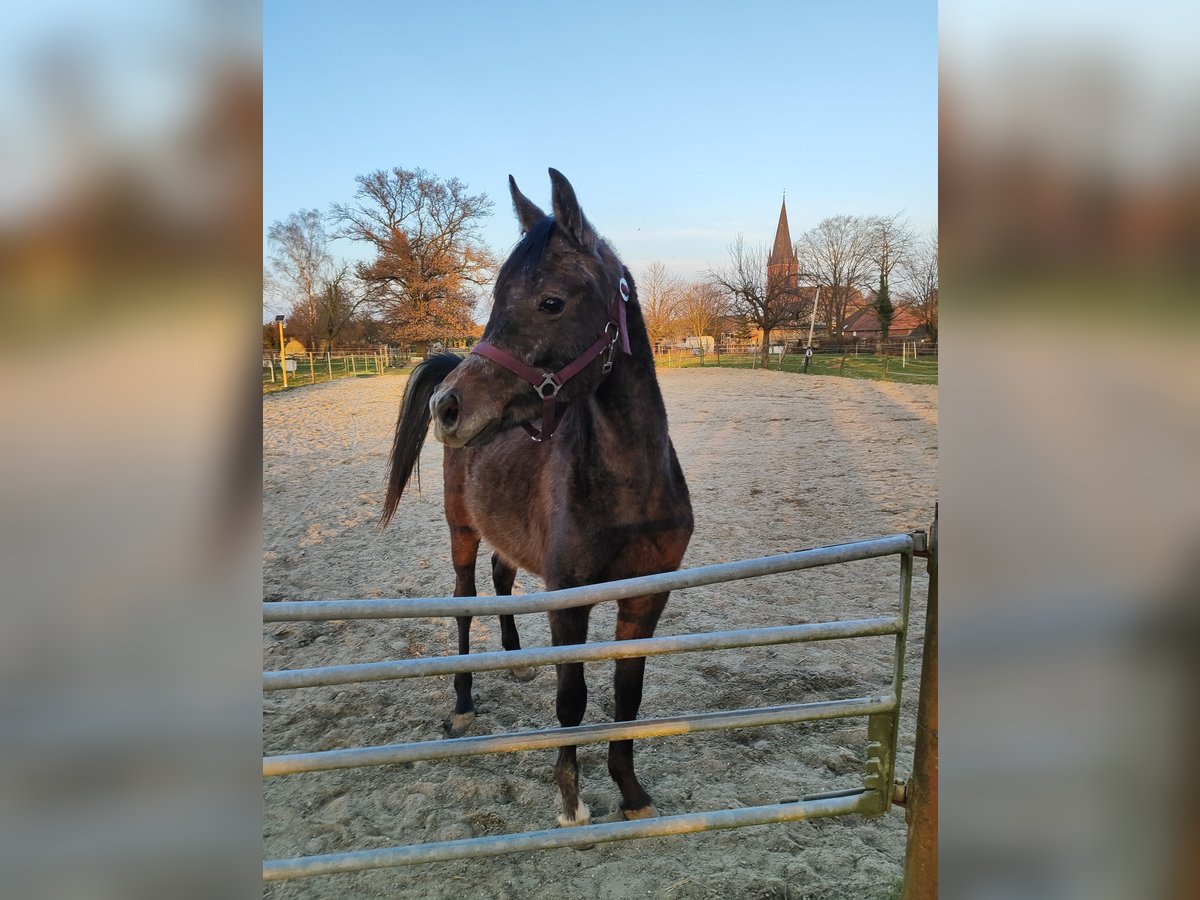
{"points": [[782, 262]]}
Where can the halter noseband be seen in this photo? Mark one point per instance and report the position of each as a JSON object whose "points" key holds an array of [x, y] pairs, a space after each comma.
{"points": [[548, 384]]}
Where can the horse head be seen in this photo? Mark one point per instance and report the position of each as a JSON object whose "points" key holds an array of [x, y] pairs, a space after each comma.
{"points": [[556, 324]]}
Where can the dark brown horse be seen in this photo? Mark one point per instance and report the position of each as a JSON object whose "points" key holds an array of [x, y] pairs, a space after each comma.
{"points": [[595, 494]]}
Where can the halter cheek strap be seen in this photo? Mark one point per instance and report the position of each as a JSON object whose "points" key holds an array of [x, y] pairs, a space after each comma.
{"points": [[548, 384]]}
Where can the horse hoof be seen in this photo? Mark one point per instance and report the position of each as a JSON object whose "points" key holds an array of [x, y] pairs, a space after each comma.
{"points": [[524, 673], [583, 816], [458, 723], [646, 812]]}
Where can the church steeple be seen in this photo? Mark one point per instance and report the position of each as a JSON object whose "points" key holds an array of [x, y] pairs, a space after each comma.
{"points": [[783, 262], [782, 251]]}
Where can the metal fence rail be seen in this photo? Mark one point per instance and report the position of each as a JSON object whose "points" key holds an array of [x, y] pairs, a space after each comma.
{"points": [[859, 801], [394, 754], [323, 610], [391, 670], [881, 711]]}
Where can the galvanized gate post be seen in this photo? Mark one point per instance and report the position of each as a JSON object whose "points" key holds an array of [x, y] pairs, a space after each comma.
{"points": [[921, 800]]}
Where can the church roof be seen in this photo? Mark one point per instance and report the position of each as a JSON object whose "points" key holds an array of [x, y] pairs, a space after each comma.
{"points": [[781, 251]]}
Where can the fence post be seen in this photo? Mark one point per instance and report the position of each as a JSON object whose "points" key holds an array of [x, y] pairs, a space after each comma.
{"points": [[329, 363], [921, 795], [271, 360], [312, 369], [353, 369]]}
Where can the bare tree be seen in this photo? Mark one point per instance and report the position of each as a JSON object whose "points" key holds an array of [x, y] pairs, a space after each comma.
{"points": [[768, 301], [272, 293], [340, 300], [429, 256], [893, 240], [921, 274], [300, 261], [839, 256], [702, 304], [658, 295]]}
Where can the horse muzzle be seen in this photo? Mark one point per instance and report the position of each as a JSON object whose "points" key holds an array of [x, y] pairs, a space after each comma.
{"points": [[468, 406], [445, 408]]}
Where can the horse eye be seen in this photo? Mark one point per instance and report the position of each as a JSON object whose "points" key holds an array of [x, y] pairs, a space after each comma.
{"points": [[552, 305]]}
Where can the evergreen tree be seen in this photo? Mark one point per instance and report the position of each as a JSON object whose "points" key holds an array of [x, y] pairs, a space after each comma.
{"points": [[884, 309]]}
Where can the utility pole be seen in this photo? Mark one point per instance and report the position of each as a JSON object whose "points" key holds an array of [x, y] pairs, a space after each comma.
{"points": [[282, 350], [812, 324]]}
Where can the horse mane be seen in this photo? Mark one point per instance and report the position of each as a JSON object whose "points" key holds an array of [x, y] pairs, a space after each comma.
{"points": [[528, 253]]}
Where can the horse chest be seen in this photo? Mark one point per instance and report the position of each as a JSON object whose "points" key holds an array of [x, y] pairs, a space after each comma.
{"points": [[547, 515]]}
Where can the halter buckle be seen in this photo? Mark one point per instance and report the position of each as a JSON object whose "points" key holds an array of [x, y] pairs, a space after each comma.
{"points": [[549, 384], [612, 344]]}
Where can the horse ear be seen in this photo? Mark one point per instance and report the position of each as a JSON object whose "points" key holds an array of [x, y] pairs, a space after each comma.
{"points": [[528, 212], [567, 212]]}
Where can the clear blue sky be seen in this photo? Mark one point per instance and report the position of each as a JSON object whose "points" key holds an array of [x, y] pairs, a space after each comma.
{"points": [[679, 124]]}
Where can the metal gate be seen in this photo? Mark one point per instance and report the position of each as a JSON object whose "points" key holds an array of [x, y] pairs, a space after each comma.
{"points": [[878, 792]]}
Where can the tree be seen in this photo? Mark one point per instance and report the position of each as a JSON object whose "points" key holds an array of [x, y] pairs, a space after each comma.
{"points": [[893, 241], [273, 299], [429, 260], [921, 272], [701, 305], [338, 302], [658, 295], [741, 330], [838, 255], [768, 301], [300, 262], [884, 311]]}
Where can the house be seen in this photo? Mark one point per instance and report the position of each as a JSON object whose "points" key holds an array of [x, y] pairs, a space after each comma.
{"points": [[864, 325]]}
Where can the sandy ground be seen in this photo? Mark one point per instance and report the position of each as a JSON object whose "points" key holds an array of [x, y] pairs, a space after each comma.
{"points": [[775, 462]]}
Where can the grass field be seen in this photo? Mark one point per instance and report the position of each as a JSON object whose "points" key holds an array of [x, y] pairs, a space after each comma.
{"points": [[923, 370]]}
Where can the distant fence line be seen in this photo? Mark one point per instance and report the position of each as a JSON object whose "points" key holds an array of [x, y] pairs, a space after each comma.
{"points": [[900, 365], [310, 368], [863, 346], [905, 361]]}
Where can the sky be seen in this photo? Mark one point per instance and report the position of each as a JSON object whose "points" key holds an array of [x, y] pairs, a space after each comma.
{"points": [[679, 124]]}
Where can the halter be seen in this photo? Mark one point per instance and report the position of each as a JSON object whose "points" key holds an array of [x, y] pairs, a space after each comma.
{"points": [[548, 384]]}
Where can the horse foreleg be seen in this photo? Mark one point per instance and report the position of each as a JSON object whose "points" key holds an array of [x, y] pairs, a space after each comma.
{"points": [[464, 546], [569, 626], [503, 576], [636, 618]]}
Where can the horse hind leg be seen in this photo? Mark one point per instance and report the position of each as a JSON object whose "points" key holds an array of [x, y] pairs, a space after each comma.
{"points": [[636, 618], [464, 547], [503, 576]]}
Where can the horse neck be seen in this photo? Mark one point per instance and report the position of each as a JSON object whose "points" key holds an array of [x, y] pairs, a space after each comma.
{"points": [[628, 403]]}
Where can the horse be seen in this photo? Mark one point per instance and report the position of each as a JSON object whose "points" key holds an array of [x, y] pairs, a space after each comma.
{"points": [[556, 452]]}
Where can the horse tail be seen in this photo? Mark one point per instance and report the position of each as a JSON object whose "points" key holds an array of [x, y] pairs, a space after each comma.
{"points": [[412, 426]]}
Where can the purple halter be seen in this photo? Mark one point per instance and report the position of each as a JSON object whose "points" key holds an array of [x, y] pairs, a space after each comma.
{"points": [[548, 384]]}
